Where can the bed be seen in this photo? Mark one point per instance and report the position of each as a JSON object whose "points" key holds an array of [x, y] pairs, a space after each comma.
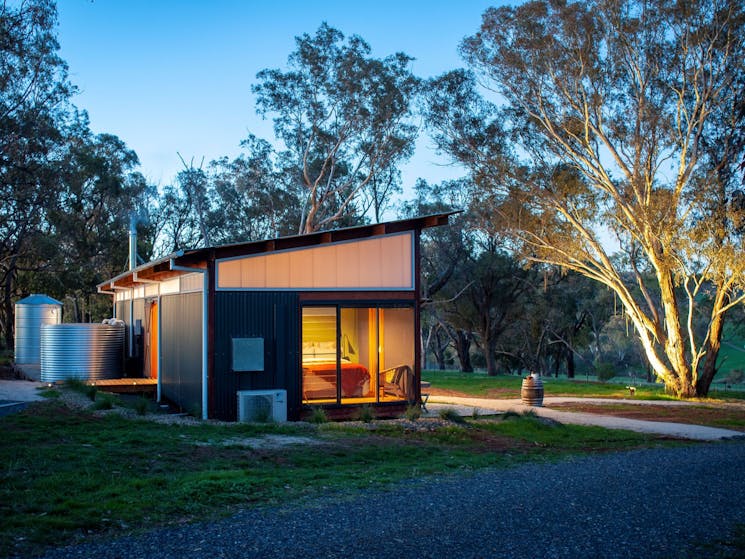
{"points": [[319, 377]]}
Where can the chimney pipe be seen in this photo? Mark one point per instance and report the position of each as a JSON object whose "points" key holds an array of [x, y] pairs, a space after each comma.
{"points": [[133, 242]]}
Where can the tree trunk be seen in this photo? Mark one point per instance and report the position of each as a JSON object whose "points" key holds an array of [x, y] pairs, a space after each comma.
{"points": [[439, 350], [682, 382], [463, 349], [491, 357], [424, 344], [570, 364], [713, 343], [7, 309]]}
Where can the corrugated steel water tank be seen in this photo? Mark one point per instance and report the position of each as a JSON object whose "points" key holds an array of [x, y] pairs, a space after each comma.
{"points": [[81, 351], [31, 313]]}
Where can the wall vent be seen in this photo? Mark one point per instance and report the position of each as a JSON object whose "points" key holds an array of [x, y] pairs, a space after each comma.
{"points": [[262, 405]]}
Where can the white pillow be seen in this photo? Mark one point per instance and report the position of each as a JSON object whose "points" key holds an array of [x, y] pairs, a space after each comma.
{"points": [[326, 347]]}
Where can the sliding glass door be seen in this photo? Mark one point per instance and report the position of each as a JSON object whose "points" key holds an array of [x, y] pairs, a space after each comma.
{"points": [[356, 354]]}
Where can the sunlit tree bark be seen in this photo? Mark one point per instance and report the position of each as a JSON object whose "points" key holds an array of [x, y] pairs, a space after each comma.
{"points": [[611, 105]]}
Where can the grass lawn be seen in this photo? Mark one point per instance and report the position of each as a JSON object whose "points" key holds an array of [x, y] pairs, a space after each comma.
{"points": [[479, 384], [68, 474]]}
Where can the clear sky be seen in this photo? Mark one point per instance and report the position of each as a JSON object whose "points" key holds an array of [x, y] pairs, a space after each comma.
{"points": [[171, 76]]}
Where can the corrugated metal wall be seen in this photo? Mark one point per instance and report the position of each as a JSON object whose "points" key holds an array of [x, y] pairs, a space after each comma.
{"points": [[274, 316], [132, 350], [181, 349]]}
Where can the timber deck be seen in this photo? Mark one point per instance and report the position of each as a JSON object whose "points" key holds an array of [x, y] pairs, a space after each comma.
{"points": [[126, 385]]}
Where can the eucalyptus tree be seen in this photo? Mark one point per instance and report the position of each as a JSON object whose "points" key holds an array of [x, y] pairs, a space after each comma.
{"points": [[444, 250], [34, 93], [194, 186], [342, 117], [609, 112], [252, 200], [90, 218]]}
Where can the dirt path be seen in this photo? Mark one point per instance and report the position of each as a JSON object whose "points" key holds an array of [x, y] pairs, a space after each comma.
{"points": [[482, 406]]}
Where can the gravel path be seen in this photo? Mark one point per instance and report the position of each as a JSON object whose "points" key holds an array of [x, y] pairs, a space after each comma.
{"points": [[465, 406], [646, 503]]}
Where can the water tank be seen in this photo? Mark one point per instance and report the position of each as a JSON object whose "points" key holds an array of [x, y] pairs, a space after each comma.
{"points": [[31, 313], [81, 351]]}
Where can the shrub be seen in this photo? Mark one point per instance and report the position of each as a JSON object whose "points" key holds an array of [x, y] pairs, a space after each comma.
{"points": [[604, 370], [365, 414], [413, 412], [449, 414], [82, 387], [318, 415], [510, 414], [104, 401], [141, 405]]}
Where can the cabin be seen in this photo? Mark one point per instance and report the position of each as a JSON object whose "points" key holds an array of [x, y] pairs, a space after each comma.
{"points": [[326, 319]]}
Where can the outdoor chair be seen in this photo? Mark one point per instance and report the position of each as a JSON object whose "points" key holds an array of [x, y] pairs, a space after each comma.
{"points": [[401, 382]]}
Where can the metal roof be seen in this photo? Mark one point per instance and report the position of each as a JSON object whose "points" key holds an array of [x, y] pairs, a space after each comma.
{"points": [[38, 299], [159, 270]]}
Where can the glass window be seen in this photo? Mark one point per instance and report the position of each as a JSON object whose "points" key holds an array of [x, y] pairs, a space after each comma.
{"points": [[357, 354], [319, 354]]}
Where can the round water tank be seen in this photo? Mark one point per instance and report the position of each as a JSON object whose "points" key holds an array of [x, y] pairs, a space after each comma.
{"points": [[81, 351], [31, 313]]}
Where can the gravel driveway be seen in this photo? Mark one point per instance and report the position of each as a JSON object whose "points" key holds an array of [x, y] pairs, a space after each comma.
{"points": [[646, 503]]}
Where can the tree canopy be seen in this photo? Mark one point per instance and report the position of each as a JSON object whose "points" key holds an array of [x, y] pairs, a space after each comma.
{"points": [[614, 118], [342, 117]]}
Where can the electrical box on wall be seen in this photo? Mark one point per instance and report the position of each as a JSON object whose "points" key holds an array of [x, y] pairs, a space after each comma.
{"points": [[248, 354]]}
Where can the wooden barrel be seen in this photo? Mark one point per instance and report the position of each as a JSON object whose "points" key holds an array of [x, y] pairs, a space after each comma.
{"points": [[532, 391]]}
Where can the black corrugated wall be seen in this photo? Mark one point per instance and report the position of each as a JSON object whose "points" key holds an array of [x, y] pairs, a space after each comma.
{"points": [[274, 316], [181, 350]]}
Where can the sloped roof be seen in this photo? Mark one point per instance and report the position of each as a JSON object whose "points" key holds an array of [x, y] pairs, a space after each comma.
{"points": [[160, 270]]}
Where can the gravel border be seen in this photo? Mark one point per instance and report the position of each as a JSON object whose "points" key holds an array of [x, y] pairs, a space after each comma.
{"points": [[644, 503]]}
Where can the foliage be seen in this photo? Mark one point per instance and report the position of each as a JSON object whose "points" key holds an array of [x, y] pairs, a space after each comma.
{"points": [[142, 405], [365, 414], [34, 91], [604, 370], [449, 414], [620, 118], [443, 250], [318, 415], [105, 401], [89, 390], [413, 412], [66, 193], [341, 115]]}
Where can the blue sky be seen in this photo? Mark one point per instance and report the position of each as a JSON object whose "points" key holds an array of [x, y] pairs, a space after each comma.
{"points": [[175, 76]]}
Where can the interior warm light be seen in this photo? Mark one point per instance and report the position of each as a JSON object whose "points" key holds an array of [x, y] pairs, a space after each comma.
{"points": [[344, 349]]}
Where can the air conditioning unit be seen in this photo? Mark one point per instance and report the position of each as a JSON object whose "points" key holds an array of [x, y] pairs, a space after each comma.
{"points": [[262, 405]]}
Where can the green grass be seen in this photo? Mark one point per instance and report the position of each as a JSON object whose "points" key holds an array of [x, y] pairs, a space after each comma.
{"points": [[479, 384], [731, 356], [508, 386], [68, 474]]}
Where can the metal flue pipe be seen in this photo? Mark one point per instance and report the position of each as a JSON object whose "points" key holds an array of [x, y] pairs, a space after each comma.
{"points": [[133, 242]]}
